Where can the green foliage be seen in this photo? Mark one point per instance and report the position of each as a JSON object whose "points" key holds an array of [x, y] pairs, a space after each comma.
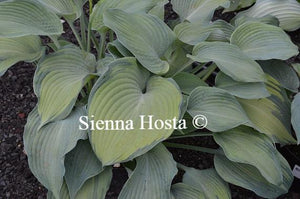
{"points": [[142, 66]]}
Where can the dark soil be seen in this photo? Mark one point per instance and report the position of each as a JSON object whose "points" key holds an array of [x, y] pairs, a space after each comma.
{"points": [[17, 100]]}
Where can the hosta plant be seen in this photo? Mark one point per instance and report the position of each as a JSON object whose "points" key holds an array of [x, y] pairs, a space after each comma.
{"points": [[129, 64]]}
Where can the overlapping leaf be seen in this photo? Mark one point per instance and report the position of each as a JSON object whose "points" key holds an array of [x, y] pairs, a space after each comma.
{"points": [[46, 163], [283, 73], [59, 79], [188, 82], [296, 116], [249, 177], [296, 66], [152, 176], [21, 18], [129, 93], [239, 4], [150, 40], [184, 191], [252, 90], [68, 8], [81, 164], [208, 182], [230, 60], [263, 42], [271, 115], [129, 6], [221, 109], [245, 145], [196, 11], [287, 11], [13, 50], [95, 187], [195, 33]]}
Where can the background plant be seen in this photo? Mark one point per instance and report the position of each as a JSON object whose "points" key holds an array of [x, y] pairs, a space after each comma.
{"points": [[153, 68]]}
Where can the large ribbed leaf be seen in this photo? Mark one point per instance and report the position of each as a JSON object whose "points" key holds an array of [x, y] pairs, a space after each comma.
{"points": [[21, 18], [188, 82], [59, 79], [287, 11], [271, 115], [152, 176], [150, 40], [245, 145], [177, 59], [244, 19], [239, 4], [46, 147], [68, 8], [129, 6], [13, 50], [129, 93], [195, 33], [283, 73], [221, 109], [184, 191], [207, 181], [64, 193], [96, 187], [252, 90], [249, 177], [296, 66], [296, 115], [230, 60], [197, 10], [81, 164], [261, 41]]}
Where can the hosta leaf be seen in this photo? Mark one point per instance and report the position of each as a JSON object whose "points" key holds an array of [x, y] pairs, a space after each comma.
{"points": [[97, 186], [67, 8], [152, 176], [208, 182], [245, 145], [263, 42], [195, 33], [46, 163], [64, 193], [129, 6], [21, 18], [197, 10], [221, 109], [13, 50], [296, 116], [79, 171], [94, 188], [283, 73], [177, 59], [230, 60], [252, 90], [297, 68], [271, 115], [239, 4], [148, 43], [244, 19], [187, 82], [184, 191], [59, 79], [249, 177], [159, 9], [287, 11], [129, 93], [118, 50]]}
